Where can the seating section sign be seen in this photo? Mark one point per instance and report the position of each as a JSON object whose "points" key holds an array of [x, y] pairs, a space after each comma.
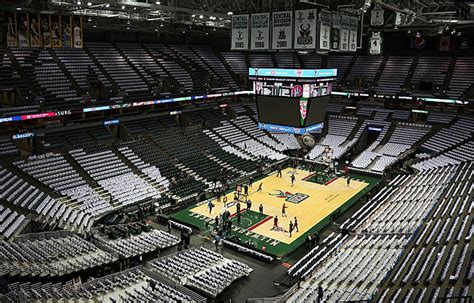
{"points": [[240, 32], [260, 31], [305, 29], [282, 30]]}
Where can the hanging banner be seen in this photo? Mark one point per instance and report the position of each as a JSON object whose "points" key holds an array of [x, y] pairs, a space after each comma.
{"points": [[23, 26], [67, 31], [353, 34], [45, 31], [305, 29], [35, 32], [303, 110], [260, 31], [55, 25], [240, 32], [335, 32], [375, 47], [345, 30], [282, 32], [12, 33], [376, 16], [445, 43], [324, 30], [77, 33]]}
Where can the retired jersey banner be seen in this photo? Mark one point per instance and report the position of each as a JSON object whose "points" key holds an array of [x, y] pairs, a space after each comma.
{"points": [[353, 34], [55, 24], [375, 47], [12, 33], [335, 32], [45, 31], [282, 31], [23, 27], [305, 29], [35, 31], [67, 31], [240, 32], [260, 31], [325, 30], [377, 16], [345, 31], [77, 32]]}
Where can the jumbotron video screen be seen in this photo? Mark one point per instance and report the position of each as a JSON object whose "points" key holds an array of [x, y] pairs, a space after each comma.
{"points": [[287, 111]]}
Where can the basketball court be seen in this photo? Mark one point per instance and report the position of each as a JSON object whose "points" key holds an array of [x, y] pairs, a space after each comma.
{"points": [[310, 202]]}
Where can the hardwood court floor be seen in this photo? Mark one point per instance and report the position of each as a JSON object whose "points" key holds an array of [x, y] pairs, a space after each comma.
{"points": [[320, 202]]}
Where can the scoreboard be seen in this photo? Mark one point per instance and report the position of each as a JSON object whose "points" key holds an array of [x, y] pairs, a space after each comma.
{"points": [[292, 100]]}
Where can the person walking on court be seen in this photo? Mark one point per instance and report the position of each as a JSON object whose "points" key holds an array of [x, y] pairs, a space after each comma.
{"points": [[293, 179], [275, 222], [210, 206], [291, 228], [249, 205], [250, 182], [259, 190], [279, 175], [237, 206], [246, 189], [238, 218], [260, 208], [295, 225], [348, 181], [283, 210]]}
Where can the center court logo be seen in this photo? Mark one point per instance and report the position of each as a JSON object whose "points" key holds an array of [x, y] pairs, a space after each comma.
{"points": [[289, 197]]}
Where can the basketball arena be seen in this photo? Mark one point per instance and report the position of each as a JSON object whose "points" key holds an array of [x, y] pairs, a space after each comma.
{"points": [[236, 151]]}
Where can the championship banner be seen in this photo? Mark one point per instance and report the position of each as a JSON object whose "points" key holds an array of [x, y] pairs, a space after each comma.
{"points": [[335, 32], [305, 29], [77, 33], [240, 32], [324, 30], [375, 47], [45, 31], [12, 32], [345, 30], [67, 31], [55, 25], [353, 34], [260, 31], [35, 31], [282, 33], [377, 16], [23, 26]]}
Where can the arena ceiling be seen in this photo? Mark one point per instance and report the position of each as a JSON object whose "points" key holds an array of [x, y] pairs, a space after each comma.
{"points": [[216, 14]]}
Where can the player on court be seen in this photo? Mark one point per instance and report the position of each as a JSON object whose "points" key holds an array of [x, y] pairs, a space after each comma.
{"points": [[283, 210], [293, 178]]}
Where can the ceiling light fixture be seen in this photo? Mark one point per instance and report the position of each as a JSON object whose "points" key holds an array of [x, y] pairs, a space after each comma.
{"points": [[89, 3], [201, 16], [230, 13]]}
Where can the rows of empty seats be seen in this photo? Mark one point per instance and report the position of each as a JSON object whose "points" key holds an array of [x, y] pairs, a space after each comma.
{"points": [[119, 70], [250, 127], [339, 128], [394, 75], [208, 55], [462, 153], [201, 268], [236, 62], [139, 244], [8, 148], [115, 176], [131, 285], [404, 137], [287, 60], [312, 61], [350, 267], [462, 78], [365, 68], [259, 60], [29, 198], [440, 251], [431, 69], [58, 174], [449, 137], [246, 143], [50, 254]]}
